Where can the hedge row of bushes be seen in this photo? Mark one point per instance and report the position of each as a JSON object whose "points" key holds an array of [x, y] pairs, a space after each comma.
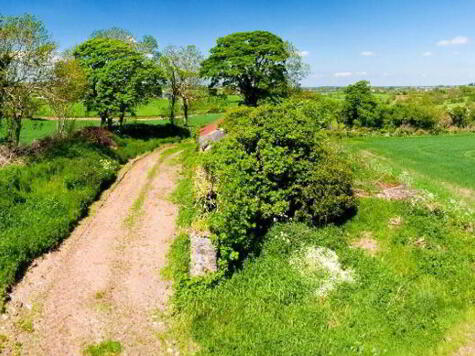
{"points": [[274, 165], [361, 108]]}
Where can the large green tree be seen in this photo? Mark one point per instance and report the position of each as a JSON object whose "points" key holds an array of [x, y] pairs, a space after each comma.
{"points": [[26, 54], [252, 62], [119, 77], [360, 106]]}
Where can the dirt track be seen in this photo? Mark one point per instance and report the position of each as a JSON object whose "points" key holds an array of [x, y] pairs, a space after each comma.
{"points": [[104, 282]]}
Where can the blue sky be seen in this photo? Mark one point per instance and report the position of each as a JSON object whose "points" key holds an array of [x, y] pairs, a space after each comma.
{"points": [[389, 42]]}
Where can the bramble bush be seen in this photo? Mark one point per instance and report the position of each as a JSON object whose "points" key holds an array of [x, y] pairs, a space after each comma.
{"points": [[274, 165]]}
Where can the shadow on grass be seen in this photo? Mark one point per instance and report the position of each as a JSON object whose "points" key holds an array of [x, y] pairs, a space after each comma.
{"points": [[103, 140], [142, 131], [256, 247], [38, 119]]}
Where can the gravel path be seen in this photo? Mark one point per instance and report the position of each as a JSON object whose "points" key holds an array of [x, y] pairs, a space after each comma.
{"points": [[104, 282]]}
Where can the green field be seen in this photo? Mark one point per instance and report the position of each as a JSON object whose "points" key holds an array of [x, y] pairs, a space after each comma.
{"points": [[444, 165], [155, 107], [34, 129]]}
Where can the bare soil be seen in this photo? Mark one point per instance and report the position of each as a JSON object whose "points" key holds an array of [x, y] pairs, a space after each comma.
{"points": [[104, 282], [367, 243]]}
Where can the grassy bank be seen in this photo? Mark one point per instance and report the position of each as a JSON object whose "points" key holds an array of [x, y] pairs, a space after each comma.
{"points": [[410, 291]]}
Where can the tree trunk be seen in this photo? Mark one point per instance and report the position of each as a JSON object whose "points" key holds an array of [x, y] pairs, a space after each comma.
{"points": [[61, 125], [109, 123], [121, 118], [103, 119], [185, 111], [14, 131], [250, 99], [172, 109]]}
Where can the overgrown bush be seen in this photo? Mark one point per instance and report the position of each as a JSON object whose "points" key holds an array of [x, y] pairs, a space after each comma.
{"points": [[410, 114], [460, 115], [274, 165]]}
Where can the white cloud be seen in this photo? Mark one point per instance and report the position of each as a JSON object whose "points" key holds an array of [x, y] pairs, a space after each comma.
{"points": [[367, 53], [343, 74], [361, 73], [459, 40], [304, 53], [427, 54]]}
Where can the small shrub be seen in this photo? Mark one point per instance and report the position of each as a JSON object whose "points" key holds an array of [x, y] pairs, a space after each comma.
{"points": [[274, 165], [105, 348], [460, 115]]}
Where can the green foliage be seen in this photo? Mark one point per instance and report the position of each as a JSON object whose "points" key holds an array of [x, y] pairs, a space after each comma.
{"points": [[274, 165], [360, 107], [405, 300], [105, 348], [460, 115], [34, 129], [120, 77], [181, 68], [253, 62], [26, 51], [148, 45], [40, 202], [410, 114], [68, 85]]}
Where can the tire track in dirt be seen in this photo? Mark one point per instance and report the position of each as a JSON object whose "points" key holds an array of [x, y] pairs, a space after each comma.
{"points": [[104, 282]]}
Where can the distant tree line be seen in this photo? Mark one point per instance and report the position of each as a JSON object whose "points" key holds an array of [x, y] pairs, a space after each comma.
{"points": [[419, 110]]}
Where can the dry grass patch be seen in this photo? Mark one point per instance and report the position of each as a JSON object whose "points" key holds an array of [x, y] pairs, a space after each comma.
{"points": [[367, 243]]}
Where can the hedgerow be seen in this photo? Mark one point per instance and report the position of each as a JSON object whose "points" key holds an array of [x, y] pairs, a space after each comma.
{"points": [[274, 165]]}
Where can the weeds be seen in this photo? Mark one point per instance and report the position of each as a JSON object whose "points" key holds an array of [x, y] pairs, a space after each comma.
{"points": [[105, 348]]}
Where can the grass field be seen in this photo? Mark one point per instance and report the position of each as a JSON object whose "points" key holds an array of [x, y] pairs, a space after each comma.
{"points": [[444, 165], [155, 107], [34, 129], [412, 291]]}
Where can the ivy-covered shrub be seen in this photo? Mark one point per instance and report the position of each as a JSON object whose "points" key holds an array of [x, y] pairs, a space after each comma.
{"points": [[274, 165]]}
